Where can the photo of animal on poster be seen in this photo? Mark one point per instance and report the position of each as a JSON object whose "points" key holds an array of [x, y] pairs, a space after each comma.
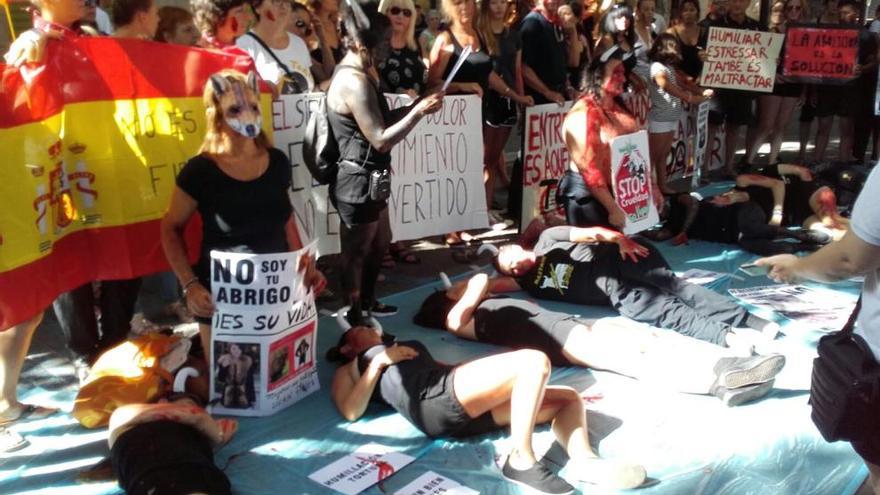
{"points": [[237, 372]]}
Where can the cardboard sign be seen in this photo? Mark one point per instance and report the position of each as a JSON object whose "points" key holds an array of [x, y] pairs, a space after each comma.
{"points": [[808, 306], [356, 472], [632, 183], [824, 55], [740, 59], [432, 483], [437, 182], [263, 333], [545, 159]]}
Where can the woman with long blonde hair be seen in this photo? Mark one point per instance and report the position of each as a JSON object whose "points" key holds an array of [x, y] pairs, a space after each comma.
{"points": [[238, 183]]}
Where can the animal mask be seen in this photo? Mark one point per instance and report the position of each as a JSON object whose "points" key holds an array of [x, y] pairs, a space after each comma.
{"points": [[239, 103]]}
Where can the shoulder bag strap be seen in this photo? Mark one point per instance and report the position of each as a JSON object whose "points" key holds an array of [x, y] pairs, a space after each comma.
{"points": [[851, 323], [272, 54]]}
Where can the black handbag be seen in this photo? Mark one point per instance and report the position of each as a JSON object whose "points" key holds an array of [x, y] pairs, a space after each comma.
{"points": [[845, 386]]}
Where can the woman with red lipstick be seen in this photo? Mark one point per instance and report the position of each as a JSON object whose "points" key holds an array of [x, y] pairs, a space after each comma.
{"points": [[221, 21], [598, 117]]}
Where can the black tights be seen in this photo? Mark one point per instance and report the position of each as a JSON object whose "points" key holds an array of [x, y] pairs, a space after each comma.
{"points": [[363, 246]]}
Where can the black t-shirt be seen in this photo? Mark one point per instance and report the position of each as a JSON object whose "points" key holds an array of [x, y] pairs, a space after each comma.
{"points": [[567, 271], [713, 223], [239, 216], [544, 52], [508, 43], [403, 70]]}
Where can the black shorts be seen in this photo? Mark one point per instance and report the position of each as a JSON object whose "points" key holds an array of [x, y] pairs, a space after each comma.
{"points": [[581, 208], [738, 107], [498, 110], [169, 458], [521, 324], [442, 415], [842, 101], [788, 90]]}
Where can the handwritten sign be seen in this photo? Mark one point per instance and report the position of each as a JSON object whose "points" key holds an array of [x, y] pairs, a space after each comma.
{"points": [[432, 483], [263, 333], [364, 468], [740, 59], [437, 171], [826, 55], [631, 176], [545, 159]]}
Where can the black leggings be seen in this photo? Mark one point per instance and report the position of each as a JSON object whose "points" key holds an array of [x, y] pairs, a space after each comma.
{"points": [[759, 237], [581, 208], [363, 246]]}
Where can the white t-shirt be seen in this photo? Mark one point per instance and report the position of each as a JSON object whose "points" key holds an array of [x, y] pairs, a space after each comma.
{"points": [[865, 223], [296, 57]]}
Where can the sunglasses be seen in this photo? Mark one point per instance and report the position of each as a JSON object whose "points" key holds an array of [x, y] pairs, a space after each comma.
{"points": [[398, 11], [794, 7]]}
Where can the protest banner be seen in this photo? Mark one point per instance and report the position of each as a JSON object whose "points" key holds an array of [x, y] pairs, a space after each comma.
{"points": [[821, 55], [92, 142], [316, 218], [632, 183], [437, 180], [818, 309], [545, 159], [432, 483], [356, 472], [263, 333], [740, 59]]}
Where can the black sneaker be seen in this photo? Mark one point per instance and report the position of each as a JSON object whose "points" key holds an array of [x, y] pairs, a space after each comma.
{"points": [[732, 397], [735, 372], [380, 310], [538, 478]]}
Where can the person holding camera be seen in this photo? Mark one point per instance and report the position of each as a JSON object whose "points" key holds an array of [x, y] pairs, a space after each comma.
{"points": [[365, 130]]}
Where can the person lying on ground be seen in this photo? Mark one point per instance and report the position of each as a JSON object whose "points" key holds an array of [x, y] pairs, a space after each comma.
{"points": [[598, 266], [468, 311], [168, 447], [472, 398]]}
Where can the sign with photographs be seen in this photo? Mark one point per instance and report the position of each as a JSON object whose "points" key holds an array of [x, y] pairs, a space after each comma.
{"points": [[263, 332]]}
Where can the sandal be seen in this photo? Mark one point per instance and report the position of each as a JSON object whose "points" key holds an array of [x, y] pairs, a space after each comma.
{"points": [[11, 441], [30, 411]]}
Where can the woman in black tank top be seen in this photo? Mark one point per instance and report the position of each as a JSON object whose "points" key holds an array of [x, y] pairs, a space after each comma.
{"points": [[365, 133], [688, 32], [468, 311], [472, 398]]}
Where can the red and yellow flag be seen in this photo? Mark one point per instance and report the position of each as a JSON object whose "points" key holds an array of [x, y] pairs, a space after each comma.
{"points": [[91, 144]]}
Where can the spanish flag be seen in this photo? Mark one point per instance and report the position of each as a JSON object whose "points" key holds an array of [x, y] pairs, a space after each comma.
{"points": [[91, 143]]}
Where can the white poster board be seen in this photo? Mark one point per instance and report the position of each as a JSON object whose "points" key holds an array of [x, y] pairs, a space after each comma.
{"points": [[631, 181], [263, 333], [741, 59], [437, 171], [811, 307], [544, 159], [364, 468], [316, 218], [432, 483]]}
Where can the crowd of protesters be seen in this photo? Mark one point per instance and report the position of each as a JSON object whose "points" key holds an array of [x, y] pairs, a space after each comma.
{"points": [[625, 67]]}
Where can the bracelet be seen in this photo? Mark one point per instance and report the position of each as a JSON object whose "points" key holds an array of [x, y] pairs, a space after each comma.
{"points": [[189, 283]]}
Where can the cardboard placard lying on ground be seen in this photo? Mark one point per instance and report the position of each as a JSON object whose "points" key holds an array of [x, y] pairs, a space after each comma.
{"points": [[262, 334], [740, 59], [632, 183], [823, 55], [819, 308], [545, 159], [364, 468], [432, 483]]}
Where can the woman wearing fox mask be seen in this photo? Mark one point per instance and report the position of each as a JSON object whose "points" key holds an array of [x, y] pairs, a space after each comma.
{"points": [[238, 183], [366, 130]]}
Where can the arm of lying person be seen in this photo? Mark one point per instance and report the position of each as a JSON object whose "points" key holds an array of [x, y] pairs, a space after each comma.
{"points": [[775, 185], [470, 296], [128, 416], [351, 395], [502, 283], [796, 170]]}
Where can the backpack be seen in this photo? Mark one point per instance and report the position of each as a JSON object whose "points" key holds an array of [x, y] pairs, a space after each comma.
{"points": [[320, 150]]}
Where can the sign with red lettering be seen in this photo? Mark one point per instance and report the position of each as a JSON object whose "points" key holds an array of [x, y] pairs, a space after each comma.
{"points": [[740, 59], [545, 159], [826, 55], [631, 177]]}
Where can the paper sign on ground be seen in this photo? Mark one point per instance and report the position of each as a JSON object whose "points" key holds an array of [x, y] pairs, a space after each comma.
{"points": [[432, 483], [545, 159], [437, 171], [632, 183], [740, 59], [364, 468], [819, 308], [263, 333], [823, 55]]}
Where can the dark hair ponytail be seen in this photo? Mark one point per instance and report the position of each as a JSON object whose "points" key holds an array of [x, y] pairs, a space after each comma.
{"points": [[362, 23]]}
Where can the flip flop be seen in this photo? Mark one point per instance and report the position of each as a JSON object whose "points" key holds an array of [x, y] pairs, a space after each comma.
{"points": [[30, 411], [11, 441]]}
